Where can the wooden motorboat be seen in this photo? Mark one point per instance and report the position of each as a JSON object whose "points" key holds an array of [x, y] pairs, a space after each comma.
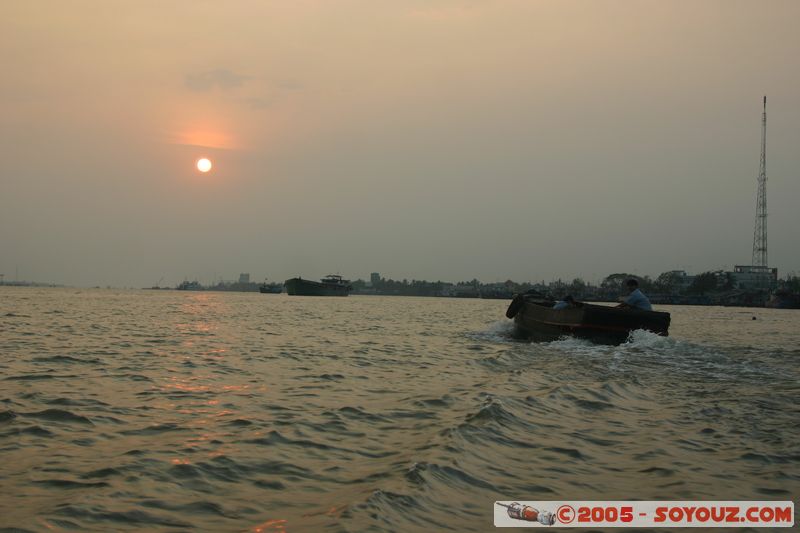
{"points": [[535, 318]]}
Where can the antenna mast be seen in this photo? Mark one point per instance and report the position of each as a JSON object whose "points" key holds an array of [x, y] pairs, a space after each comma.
{"points": [[760, 232]]}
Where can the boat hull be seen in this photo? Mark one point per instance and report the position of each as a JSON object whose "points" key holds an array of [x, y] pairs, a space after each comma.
{"points": [[274, 288], [536, 320], [784, 300], [304, 287]]}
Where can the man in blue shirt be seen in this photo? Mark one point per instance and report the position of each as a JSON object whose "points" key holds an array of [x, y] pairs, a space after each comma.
{"points": [[568, 301], [635, 298]]}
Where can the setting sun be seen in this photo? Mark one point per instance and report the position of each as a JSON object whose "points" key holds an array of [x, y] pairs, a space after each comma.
{"points": [[203, 165]]}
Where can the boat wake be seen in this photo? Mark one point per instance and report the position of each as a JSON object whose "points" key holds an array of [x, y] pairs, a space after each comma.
{"points": [[639, 338], [646, 350], [499, 331], [647, 339]]}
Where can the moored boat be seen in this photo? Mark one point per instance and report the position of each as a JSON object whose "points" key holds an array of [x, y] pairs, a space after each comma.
{"points": [[331, 285], [270, 288], [535, 318], [784, 300]]}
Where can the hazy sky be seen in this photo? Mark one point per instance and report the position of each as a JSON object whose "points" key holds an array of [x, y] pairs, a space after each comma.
{"points": [[420, 139]]}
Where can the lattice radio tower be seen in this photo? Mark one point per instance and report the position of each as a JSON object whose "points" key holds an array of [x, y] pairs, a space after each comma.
{"points": [[760, 232]]}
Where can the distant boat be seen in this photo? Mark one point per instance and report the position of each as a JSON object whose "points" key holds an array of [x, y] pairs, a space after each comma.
{"points": [[331, 285], [190, 286], [535, 318], [784, 300], [270, 288]]}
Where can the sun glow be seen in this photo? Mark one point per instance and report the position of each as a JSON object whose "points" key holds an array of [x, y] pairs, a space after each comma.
{"points": [[203, 165]]}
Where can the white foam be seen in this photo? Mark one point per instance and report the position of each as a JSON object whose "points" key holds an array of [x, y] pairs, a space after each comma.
{"points": [[500, 327], [576, 345], [641, 338]]}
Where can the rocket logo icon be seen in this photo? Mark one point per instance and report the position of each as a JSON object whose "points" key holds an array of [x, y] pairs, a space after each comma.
{"points": [[527, 513]]}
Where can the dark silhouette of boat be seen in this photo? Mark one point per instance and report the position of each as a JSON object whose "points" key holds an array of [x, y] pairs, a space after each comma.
{"points": [[784, 300], [535, 318], [270, 288], [331, 285]]}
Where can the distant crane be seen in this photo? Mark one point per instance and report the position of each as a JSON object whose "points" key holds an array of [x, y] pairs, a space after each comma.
{"points": [[760, 232]]}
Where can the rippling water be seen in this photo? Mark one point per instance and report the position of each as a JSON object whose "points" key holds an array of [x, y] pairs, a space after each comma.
{"points": [[160, 410]]}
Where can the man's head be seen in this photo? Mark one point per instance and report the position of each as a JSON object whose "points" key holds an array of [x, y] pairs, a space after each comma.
{"points": [[632, 285], [569, 299]]}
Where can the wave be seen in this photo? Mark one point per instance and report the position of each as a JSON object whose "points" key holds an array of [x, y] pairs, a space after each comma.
{"points": [[499, 331], [127, 518], [60, 415], [67, 359], [155, 429], [69, 484], [201, 506], [425, 473], [274, 438]]}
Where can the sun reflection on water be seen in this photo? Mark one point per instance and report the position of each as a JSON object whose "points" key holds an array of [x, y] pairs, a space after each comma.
{"points": [[278, 526]]}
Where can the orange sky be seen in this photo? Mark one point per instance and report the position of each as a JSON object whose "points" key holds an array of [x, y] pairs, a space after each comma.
{"points": [[436, 139]]}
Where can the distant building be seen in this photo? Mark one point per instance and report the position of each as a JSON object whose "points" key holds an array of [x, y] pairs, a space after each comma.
{"points": [[755, 277], [680, 280], [374, 279], [244, 278]]}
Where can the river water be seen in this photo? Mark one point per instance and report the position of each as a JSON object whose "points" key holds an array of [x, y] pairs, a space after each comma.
{"points": [[165, 410]]}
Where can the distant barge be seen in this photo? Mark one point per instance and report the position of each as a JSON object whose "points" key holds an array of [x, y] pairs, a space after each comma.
{"points": [[331, 285], [270, 288]]}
